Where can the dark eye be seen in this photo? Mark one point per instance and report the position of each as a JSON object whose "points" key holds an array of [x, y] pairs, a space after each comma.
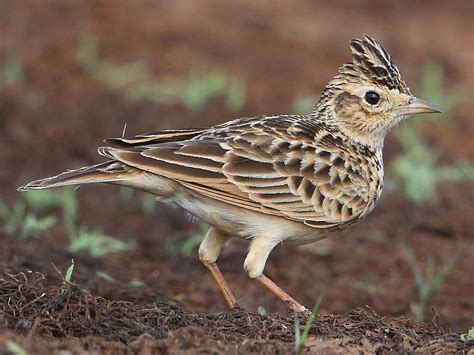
{"points": [[372, 97]]}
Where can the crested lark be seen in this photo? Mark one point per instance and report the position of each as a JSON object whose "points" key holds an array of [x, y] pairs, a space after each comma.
{"points": [[271, 179]]}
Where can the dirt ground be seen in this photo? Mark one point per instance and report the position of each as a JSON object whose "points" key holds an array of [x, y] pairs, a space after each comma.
{"points": [[55, 116]]}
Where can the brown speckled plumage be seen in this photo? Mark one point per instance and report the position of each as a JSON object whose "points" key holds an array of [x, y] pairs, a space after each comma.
{"points": [[271, 179]]}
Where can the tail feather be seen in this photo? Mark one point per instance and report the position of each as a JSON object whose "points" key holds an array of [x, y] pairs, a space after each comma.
{"points": [[110, 171]]}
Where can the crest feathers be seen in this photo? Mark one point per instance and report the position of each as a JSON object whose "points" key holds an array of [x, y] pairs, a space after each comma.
{"points": [[372, 63]]}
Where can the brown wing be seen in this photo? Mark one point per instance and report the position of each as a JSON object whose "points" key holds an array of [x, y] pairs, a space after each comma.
{"points": [[270, 171], [155, 137], [314, 184]]}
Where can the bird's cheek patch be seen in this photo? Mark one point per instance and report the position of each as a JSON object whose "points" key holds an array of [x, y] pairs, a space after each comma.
{"points": [[346, 102]]}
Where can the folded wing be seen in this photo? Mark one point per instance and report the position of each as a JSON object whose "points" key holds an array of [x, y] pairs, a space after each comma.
{"points": [[259, 170]]}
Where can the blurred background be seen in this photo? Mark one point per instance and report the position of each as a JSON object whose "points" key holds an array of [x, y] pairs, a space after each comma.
{"points": [[75, 72]]}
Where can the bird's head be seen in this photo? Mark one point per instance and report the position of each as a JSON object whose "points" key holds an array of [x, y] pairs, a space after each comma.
{"points": [[368, 95]]}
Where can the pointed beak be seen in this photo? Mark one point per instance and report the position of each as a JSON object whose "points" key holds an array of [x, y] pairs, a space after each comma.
{"points": [[416, 106]]}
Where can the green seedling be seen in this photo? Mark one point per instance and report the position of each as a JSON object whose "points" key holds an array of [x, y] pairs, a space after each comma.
{"points": [[33, 226], [136, 283], [69, 271], [236, 94], [81, 238], [304, 104], [17, 220], [300, 339], [469, 336], [200, 88], [125, 193], [148, 204], [105, 276], [148, 201], [12, 72], [115, 76], [319, 251], [15, 348], [262, 311], [428, 284], [195, 91], [432, 88], [420, 173], [87, 51], [186, 247], [417, 168], [65, 200], [96, 243]]}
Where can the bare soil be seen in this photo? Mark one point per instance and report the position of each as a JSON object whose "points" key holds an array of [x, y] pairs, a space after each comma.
{"points": [[57, 114], [78, 321]]}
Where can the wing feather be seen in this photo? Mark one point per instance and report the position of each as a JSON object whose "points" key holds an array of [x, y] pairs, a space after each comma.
{"points": [[173, 170], [155, 137], [254, 167]]}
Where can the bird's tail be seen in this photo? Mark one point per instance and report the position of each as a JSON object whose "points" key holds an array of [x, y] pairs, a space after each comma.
{"points": [[110, 172]]}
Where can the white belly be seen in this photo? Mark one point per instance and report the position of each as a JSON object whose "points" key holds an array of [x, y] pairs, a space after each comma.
{"points": [[247, 224], [233, 220]]}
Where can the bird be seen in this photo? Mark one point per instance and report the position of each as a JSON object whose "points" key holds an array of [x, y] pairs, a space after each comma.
{"points": [[271, 179]]}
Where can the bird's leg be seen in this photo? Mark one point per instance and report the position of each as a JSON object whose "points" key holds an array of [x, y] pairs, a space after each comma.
{"points": [[221, 283], [209, 251], [254, 264], [290, 302]]}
